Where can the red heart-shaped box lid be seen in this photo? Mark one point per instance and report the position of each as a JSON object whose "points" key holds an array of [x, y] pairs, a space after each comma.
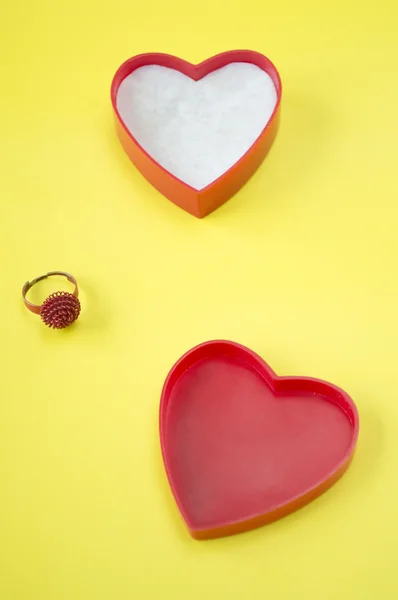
{"points": [[243, 447], [197, 202]]}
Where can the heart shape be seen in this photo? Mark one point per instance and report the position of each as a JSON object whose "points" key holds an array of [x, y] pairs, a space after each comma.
{"points": [[243, 447], [197, 132]]}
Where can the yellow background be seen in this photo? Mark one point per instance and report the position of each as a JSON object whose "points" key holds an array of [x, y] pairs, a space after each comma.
{"points": [[301, 266]]}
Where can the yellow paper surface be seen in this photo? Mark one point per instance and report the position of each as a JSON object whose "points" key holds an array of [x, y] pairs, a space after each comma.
{"points": [[301, 266]]}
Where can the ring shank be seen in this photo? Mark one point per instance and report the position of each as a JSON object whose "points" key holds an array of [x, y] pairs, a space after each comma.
{"points": [[35, 308]]}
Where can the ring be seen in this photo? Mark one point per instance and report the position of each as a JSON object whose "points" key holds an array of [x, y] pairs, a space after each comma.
{"points": [[60, 309]]}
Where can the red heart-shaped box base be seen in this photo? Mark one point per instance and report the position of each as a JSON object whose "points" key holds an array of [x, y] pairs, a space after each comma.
{"points": [[243, 447], [197, 202]]}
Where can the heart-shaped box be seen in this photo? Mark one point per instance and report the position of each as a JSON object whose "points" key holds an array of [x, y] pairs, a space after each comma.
{"points": [[243, 447], [198, 202]]}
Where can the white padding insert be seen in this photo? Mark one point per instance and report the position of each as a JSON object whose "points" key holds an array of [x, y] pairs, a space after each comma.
{"points": [[197, 129]]}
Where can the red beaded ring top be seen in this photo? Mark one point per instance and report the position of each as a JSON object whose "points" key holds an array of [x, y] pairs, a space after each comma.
{"points": [[61, 309]]}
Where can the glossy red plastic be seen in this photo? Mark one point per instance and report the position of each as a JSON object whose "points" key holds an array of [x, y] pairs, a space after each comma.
{"points": [[243, 447], [197, 202]]}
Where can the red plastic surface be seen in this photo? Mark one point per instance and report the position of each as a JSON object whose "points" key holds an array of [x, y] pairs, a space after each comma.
{"points": [[197, 202], [243, 447]]}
